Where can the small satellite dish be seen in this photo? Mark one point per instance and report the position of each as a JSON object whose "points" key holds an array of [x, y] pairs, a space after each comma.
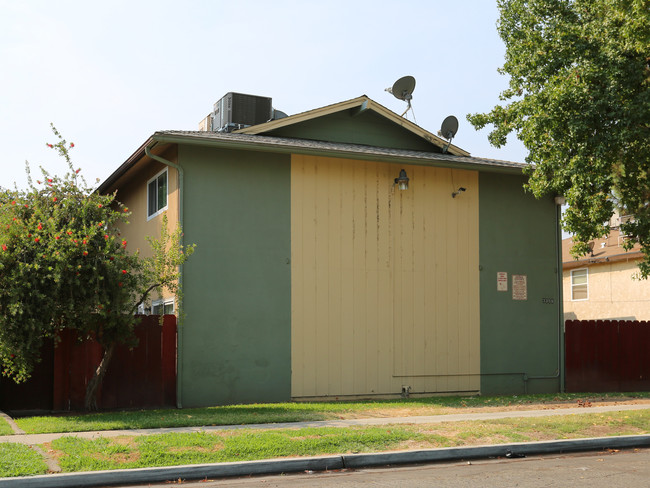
{"points": [[403, 89], [449, 127], [448, 130]]}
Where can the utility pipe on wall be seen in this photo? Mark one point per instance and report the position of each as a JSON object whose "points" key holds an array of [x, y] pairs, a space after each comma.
{"points": [[179, 326]]}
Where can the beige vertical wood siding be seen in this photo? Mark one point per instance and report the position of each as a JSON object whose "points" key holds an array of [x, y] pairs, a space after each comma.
{"points": [[385, 283]]}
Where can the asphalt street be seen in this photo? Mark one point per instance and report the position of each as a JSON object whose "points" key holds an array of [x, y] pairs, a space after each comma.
{"points": [[603, 469]]}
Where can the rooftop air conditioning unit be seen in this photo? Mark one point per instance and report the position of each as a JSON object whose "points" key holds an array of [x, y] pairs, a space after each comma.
{"points": [[236, 111]]}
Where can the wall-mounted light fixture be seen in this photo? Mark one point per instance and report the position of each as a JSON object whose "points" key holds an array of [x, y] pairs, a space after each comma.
{"points": [[402, 181], [458, 192]]}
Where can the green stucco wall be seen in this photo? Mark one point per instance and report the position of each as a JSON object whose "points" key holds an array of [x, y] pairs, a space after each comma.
{"points": [[235, 342], [520, 341]]}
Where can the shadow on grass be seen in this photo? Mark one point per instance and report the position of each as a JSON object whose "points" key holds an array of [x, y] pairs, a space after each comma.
{"points": [[289, 412]]}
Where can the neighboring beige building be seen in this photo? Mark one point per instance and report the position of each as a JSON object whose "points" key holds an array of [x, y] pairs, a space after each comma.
{"points": [[604, 284]]}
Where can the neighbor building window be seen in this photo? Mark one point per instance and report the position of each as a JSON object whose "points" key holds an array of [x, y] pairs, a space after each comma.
{"points": [[580, 284], [162, 308], [157, 194], [158, 307]]}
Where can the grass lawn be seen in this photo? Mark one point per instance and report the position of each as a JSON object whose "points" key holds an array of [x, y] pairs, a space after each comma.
{"points": [[20, 460], [295, 412], [76, 454], [5, 428]]}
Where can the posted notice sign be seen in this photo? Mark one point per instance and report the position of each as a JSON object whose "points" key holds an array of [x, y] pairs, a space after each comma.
{"points": [[502, 281], [519, 287]]}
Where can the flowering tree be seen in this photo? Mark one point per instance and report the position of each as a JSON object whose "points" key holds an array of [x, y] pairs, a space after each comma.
{"points": [[63, 264]]}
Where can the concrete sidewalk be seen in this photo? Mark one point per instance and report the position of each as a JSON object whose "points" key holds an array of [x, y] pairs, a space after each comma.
{"points": [[33, 439], [321, 463]]}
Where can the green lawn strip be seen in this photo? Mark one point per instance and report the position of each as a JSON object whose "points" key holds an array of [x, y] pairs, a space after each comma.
{"points": [[5, 428], [76, 454], [20, 460], [289, 412], [195, 448]]}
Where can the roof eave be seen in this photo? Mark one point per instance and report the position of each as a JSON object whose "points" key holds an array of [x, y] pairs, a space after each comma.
{"points": [[260, 145], [584, 262], [124, 167]]}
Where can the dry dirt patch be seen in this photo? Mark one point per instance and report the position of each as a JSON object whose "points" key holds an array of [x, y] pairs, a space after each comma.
{"points": [[419, 410]]}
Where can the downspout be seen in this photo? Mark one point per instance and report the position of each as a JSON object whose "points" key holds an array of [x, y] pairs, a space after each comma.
{"points": [[559, 201], [560, 284], [179, 326]]}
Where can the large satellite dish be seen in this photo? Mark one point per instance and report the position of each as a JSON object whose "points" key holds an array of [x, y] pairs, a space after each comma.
{"points": [[448, 130], [403, 89]]}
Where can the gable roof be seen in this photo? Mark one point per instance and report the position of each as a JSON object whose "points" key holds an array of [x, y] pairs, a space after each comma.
{"points": [[605, 250], [357, 105]]}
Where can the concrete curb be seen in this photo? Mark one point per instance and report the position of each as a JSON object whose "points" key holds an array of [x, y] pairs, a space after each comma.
{"points": [[322, 463]]}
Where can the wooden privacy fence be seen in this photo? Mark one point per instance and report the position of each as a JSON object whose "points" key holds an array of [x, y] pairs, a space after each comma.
{"points": [[607, 355], [144, 376]]}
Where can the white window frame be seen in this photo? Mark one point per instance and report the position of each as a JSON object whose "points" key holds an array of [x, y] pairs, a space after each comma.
{"points": [[164, 303], [148, 309], [573, 285], [162, 209]]}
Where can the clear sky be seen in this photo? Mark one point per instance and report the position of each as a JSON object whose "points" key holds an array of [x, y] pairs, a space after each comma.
{"points": [[110, 74]]}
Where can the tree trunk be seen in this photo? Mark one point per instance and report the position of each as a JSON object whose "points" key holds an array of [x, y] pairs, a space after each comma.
{"points": [[90, 402]]}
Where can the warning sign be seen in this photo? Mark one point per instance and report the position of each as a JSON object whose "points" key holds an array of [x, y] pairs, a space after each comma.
{"points": [[519, 287], [502, 281]]}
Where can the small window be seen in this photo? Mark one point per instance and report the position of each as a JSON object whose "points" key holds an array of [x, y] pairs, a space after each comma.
{"points": [[158, 307], [580, 284], [157, 194], [162, 308]]}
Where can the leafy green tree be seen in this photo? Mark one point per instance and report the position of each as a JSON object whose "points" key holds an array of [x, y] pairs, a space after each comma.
{"points": [[579, 99], [64, 265]]}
